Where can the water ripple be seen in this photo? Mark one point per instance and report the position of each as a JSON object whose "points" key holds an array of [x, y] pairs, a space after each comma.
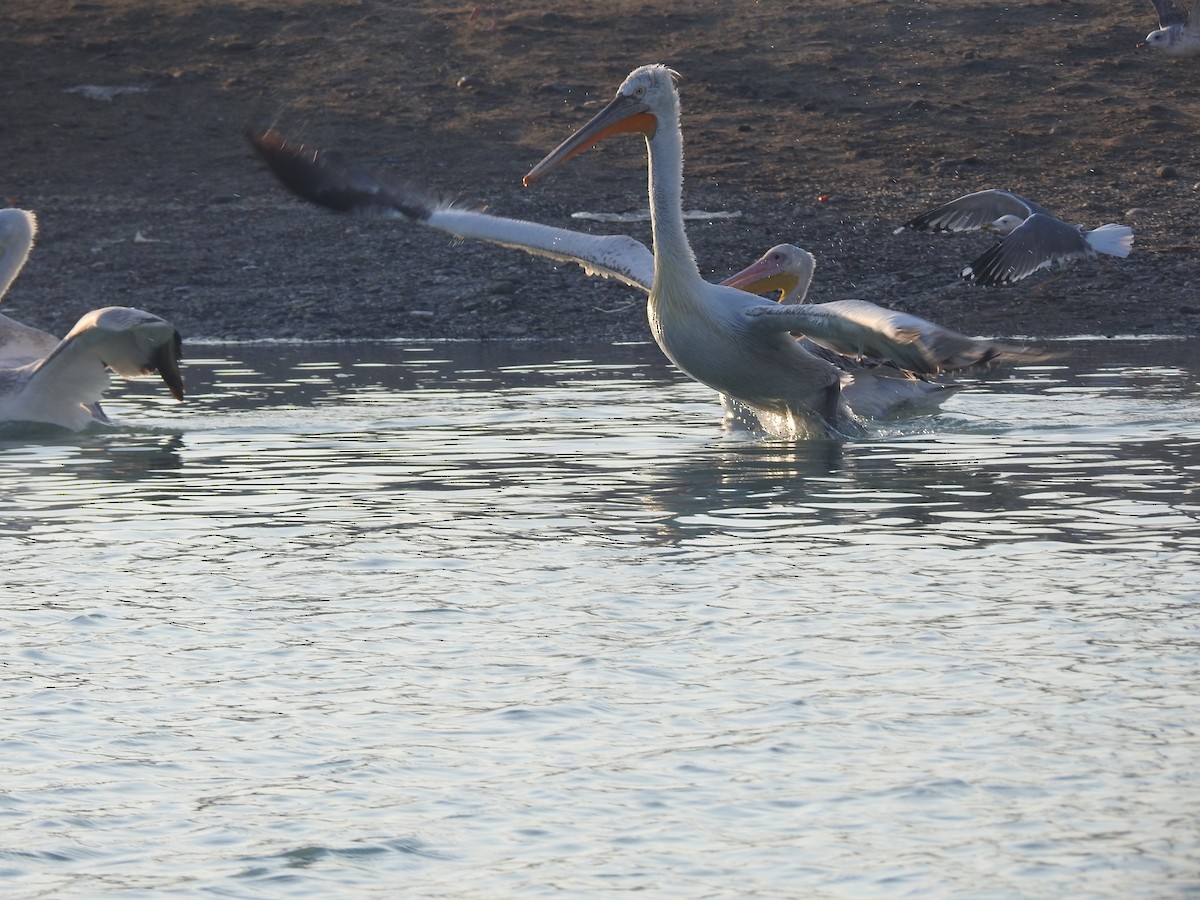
{"points": [[489, 620]]}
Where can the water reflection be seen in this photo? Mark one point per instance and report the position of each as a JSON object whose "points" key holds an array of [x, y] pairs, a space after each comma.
{"points": [[1098, 454]]}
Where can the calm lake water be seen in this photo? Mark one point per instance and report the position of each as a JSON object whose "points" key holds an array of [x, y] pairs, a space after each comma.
{"points": [[451, 620]]}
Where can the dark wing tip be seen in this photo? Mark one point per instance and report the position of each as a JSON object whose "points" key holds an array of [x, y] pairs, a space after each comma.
{"points": [[318, 176], [991, 269], [930, 220], [311, 174], [328, 179]]}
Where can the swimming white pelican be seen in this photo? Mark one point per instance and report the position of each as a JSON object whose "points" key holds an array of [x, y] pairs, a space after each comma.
{"points": [[852, 329], [43, 379], [1034, 239], [1178, 32]]}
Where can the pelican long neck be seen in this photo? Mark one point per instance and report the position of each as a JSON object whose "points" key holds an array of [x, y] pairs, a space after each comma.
{"points": [[15, 244], [673, 257]]}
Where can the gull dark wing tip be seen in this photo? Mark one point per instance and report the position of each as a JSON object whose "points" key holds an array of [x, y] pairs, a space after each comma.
{"points": [[990, 269]]}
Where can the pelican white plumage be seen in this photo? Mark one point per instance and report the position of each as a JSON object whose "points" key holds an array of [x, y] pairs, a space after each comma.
{"points": [[64, 388], [1033, 238], [18, 227], [328, 179], [1178, 32], [43, 379], [739, 345]]}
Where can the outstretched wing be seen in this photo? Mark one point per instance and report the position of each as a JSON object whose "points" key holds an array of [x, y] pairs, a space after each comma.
{"points": [[861, 329], [941, 349], [329, 180], [1170, 12], [65, 387], [1035, 244], [972, 212]]}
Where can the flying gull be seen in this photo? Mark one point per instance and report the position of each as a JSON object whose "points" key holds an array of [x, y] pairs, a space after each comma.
{"points": [[1178, 32], [1033, 238]]}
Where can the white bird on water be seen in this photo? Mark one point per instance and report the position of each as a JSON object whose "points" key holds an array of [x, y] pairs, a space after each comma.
{"points": [[1178, 32], [859, 328], [1033, 238], [43, 379]]}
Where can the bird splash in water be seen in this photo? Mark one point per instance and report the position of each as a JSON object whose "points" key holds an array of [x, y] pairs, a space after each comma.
{"points": [[43, 379]]}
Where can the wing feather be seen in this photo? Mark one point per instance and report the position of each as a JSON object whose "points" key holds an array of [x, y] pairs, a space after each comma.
{"points": [[330, 180], [1170, 12], [1037, 243], [972, 212], [861, 329]]}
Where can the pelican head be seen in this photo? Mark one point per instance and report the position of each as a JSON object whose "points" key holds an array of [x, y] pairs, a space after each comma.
{"points": [[784, 268], [645, 96], [132, 342]]}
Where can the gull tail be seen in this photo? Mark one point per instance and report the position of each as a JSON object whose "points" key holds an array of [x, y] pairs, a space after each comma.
{"points": [[1115, 240]]}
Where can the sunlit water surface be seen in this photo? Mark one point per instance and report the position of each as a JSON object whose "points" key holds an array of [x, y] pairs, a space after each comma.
{"points": [[475, 621]]}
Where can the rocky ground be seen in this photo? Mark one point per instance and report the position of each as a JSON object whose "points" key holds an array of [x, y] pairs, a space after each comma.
{"points": [[820, 124]]}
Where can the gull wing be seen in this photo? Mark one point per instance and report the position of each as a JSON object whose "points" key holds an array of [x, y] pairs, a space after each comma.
{"points": [[329, 180], [972, 212], [66, 386], [1035, 244], [861, 329], [1171, 12]]}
